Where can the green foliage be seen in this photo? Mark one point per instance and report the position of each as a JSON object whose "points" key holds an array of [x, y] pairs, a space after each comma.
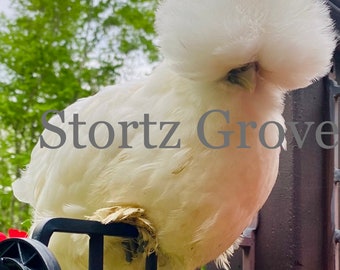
{"points": [[52, 53]]}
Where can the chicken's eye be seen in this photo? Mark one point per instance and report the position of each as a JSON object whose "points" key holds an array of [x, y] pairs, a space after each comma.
{"points": [[243, 76], [236, 72]]}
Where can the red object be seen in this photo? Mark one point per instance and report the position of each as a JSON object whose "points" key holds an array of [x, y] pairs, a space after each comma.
{"points": [[2, 236], [17, 233], [13, 233]]}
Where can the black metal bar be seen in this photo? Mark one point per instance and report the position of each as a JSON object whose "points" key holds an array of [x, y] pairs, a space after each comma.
{"points": [[151, 262], [96, 257], [45, 229], [96, 231]]}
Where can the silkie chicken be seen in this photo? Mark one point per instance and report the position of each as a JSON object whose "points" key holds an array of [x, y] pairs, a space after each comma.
{"points": [[192, 195]]}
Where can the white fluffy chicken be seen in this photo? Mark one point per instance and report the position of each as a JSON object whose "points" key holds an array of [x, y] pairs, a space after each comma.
{"points": [[196, 195]]}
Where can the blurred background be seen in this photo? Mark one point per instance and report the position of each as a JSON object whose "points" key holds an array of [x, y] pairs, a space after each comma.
{"points": [[53, 53]]}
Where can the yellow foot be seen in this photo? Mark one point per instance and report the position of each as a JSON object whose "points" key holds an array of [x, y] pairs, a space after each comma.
{"points": [[147, 241]]}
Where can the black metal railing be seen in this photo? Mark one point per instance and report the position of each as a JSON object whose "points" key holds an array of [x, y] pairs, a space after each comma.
{"points": [[96, 231]]}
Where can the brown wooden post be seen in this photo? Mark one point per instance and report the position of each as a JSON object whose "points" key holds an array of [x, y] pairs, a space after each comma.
{"points": [[295, 227]]}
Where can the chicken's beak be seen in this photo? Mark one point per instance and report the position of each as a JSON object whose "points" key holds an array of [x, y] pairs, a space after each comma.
{"points": [[247, 79], [244, 76]]}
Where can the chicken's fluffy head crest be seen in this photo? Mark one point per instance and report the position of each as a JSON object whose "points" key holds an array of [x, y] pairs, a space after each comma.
{"points": [[291, 40]]}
